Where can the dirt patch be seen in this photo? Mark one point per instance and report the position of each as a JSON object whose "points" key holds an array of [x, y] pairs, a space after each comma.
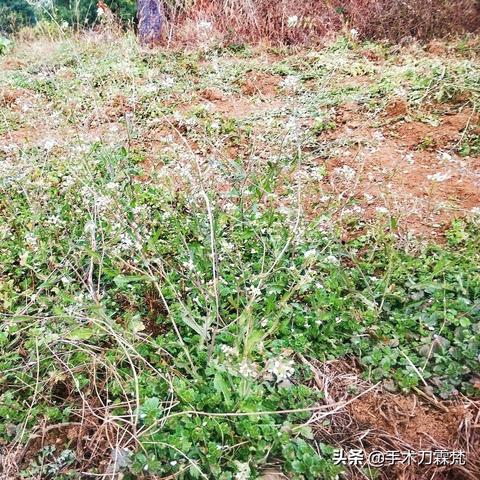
{"points": [[259, 83], [156, 310], [241, 107], [212, 95], [421, 135], [117, 107], [13, 64], [406, 417], [407, 170], [376, 420], [238, 107], [397, 107], [9, 96]]}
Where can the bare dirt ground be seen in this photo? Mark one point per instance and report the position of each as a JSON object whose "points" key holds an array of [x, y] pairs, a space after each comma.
{"points": [[400, 163], [377, 420]]}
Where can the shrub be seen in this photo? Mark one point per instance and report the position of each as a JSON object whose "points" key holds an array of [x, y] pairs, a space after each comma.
{"points": [[15, 14]]}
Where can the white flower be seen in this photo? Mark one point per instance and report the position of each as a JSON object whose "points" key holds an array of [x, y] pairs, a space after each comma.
{"points": [[445, 156], [167, 81], [382, 210], [102, 202], [290, 82], [355, 210], [243, 471], [439, 177], [292, 21], [204, 25], [247, 370], [310, 254], [150, 88], [409, 158], [89, 227], [333, 260], [31, 240], [378, 136], [254, 291], [475, 211], [49, 144], [228, 246], [281, 368], [345, 172], [190, 265], [23, 258], [111, 186], [126, 241], [100, 12], [354, 33], [229, 351]]}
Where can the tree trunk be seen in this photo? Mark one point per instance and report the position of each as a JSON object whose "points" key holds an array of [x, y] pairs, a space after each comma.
{"points": [[150, 16]]}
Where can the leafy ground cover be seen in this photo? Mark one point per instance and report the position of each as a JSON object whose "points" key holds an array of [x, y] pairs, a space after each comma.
{"points": [[211, 259]]}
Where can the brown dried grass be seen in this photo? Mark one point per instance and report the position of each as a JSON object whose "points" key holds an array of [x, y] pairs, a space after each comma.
{"points": [[384, 421], [237, 21]]}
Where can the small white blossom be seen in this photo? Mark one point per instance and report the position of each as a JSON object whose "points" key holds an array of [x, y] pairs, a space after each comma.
{"points": [[229, 351], [378, 136], [409, 158], [310, 254], [126, 242], [354, 33], [167, 82], [89, 227], [111, 186], [243, 471], [355, 210], [291, 82], [49, 144], [345, 172], [281, 368], [23, 258], [254, 291], [247, 370], [292, 21], [332, 259], [439, 177], [204, 25], [190, 265], [445, 156], [475, 211], [31, 240], [102, 202]]}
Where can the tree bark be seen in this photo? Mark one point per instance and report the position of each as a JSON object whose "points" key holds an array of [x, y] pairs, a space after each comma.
{"points": [[150, 16]]}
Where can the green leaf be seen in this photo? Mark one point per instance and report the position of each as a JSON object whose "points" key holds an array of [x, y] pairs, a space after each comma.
{"points": [[81, 333], [221, 386], [123, 280]]}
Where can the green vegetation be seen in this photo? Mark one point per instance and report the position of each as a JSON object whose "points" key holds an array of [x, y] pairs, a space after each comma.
{"points": [[16, 14], [162, 290]]}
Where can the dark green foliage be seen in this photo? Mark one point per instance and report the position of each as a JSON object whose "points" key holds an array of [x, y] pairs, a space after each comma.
{"points": [[15, 14]]}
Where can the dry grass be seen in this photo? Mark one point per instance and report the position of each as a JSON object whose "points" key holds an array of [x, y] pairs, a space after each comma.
{"points": [[383, 421], [310, 21]]}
